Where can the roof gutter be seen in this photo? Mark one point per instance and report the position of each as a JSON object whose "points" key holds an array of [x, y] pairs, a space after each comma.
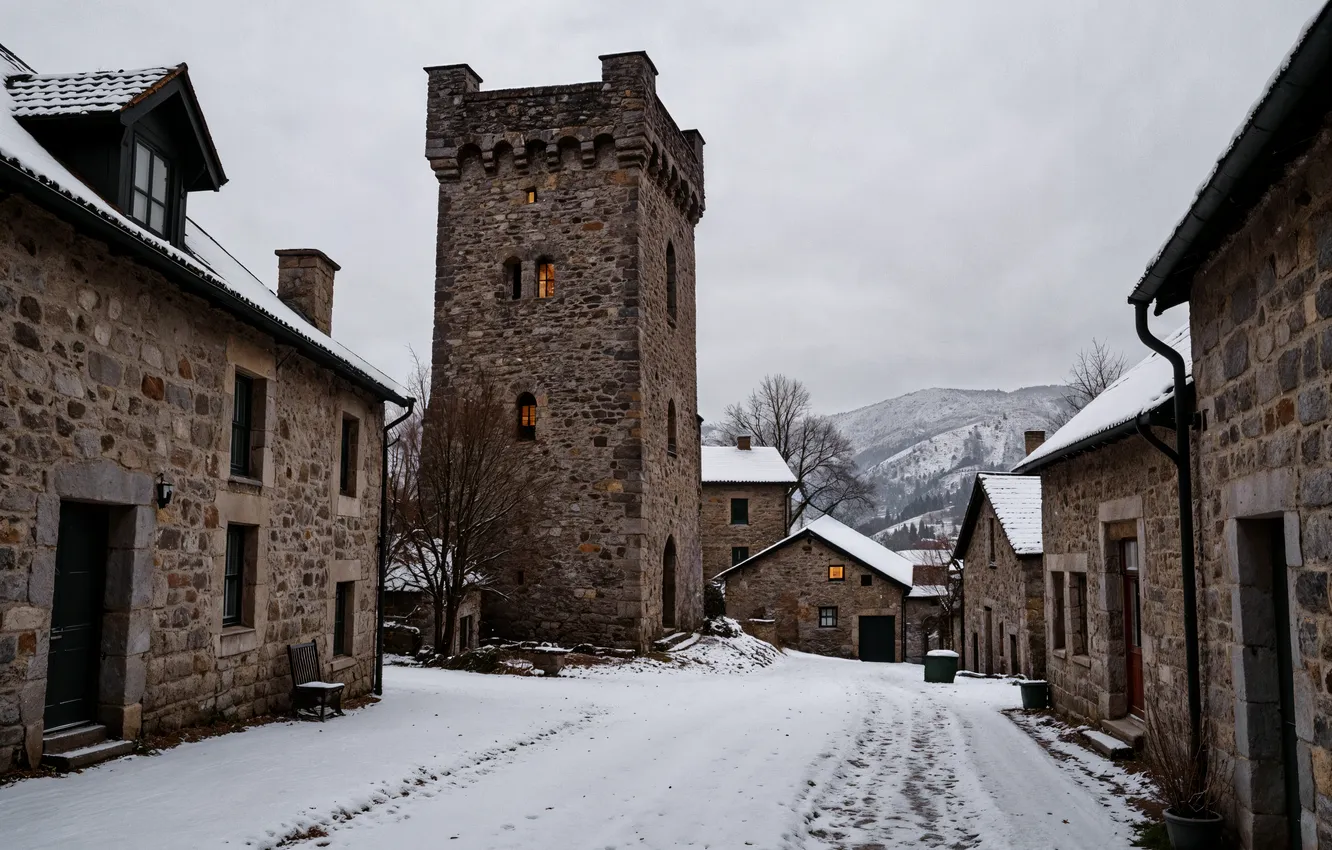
{"points": [[122, 241], [1306, 62]]}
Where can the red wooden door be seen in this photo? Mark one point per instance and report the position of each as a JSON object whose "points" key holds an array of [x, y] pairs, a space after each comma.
{"points": [[1132, 626]]}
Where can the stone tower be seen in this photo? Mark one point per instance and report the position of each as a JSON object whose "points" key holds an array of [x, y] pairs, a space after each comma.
{"points": [[565, 269]]}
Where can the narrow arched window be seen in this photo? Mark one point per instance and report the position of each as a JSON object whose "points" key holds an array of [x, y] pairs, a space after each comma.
{"points": [[527, 416], [670, 281], [513, 277], [545, 278], [670, 429]]}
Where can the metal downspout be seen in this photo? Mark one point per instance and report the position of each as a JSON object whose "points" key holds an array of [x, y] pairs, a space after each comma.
{"points": [[1183, 466], [383, 552]]}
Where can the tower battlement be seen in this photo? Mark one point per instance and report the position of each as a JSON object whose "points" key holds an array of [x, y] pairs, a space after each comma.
{"points": [[579, 125]]}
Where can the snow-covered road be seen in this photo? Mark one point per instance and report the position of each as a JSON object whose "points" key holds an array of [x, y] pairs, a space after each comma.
{"points": [[807, 753]]}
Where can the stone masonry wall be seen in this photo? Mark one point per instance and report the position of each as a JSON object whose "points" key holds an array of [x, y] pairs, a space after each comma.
{"points": [[1262, 350], [1126, 489], [790, 584], [767, 522], [109, 375], [603, 358], [1010, 586]]}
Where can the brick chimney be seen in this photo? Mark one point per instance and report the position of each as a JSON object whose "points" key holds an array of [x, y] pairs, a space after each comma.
{"points": [[742, 442], [305, 284], [1034, 440]]}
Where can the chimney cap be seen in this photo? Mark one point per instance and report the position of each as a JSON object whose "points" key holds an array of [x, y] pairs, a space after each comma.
{"points": [[308, 252], [742, 442]]}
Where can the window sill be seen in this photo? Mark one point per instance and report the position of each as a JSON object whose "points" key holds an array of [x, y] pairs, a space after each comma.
{"points": [[1059, 653], [342, 662], [236, 640], [245, 480], [1082, 660]]}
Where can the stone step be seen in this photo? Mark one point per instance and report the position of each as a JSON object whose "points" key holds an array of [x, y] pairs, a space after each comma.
{"points": [[1111, 748], [687, 642], [670, 641], [88, 756], [73, 738], [1127, 729]]}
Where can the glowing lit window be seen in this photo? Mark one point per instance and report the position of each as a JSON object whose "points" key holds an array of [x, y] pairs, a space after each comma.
{"points": [[527, 416], [545, 279], [531, 196], [836, 572]]}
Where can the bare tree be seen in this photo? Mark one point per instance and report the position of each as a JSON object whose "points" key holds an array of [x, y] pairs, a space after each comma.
{"points": [[778, 414], [940, 570], [464, 496], [1092, 371]]}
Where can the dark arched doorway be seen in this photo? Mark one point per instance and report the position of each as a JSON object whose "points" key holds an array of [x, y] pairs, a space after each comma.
{"points": [[668, 585]]}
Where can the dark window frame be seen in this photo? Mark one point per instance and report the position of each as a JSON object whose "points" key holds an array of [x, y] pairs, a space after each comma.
{"points": [[233, 575], [342, 601], [743, 513], [349, 458], [672, 440], [545, 278], [513, 278], [739, 554], [242, 425], [827, 616], [841, 572], [867, 580], [156, 156], [672, 285], [990, 526]]}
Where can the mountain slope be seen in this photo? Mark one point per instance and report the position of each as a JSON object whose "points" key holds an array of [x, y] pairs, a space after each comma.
{"points": [[921, 450]]}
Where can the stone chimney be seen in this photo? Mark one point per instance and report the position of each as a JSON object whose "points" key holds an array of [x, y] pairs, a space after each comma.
{"points": [[1034, 440], [742, 442], [305, 284]]}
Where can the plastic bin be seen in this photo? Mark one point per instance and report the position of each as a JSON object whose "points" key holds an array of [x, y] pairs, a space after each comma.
{"points": [[940, 666]]}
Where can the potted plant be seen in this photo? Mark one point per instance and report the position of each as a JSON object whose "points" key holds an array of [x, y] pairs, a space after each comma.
{"points": [[1191, 794]]}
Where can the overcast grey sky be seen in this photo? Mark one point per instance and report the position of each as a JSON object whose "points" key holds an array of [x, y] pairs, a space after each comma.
{"points": [[899, 194]]}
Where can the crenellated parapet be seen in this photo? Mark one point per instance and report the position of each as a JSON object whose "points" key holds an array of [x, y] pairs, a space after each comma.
{"points": [[617, 124]]}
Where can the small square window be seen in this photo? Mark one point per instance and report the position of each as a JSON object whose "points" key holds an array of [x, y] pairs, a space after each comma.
{"points": [[828, 617], [739, 512], [836, 572], [738, 554], [531, 196], [866, 580]]}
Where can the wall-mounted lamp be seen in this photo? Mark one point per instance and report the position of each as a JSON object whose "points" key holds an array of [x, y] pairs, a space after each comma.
{"points": [[165, 490]]}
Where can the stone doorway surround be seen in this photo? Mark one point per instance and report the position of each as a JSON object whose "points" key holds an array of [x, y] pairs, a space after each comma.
{"points": [[127, 602], [1114, 519], [1257, 778]]}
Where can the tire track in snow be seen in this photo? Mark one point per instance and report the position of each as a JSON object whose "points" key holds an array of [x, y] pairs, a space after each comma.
{"points": [[903, 754], [386, 798]]}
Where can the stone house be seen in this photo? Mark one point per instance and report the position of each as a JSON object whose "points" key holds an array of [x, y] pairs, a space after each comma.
{"points": [[406, 605], [746, 503], [1110, 528], [565, 271], [826, 589], [189, 463], [1253, 259], [927, 624], [1002, 610]]}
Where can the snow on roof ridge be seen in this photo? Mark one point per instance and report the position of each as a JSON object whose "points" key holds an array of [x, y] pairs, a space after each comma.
{"points": [[1147, 385], [20, 150], [1016, 500], [869, 552], [758, 465]]}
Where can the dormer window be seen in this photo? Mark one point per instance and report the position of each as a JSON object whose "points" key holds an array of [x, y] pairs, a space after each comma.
{"points": [[148, 204]]}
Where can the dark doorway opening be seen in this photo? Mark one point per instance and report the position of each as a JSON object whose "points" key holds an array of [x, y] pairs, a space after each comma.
{"points": [[1128, 558], [878, 638], [76, 616], [668, 585]]}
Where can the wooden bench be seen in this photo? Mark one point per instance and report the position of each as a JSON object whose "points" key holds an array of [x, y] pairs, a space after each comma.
{"points": [[308, 691]]}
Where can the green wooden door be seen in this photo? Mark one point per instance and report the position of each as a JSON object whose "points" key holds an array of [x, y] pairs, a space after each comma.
{"points": [[878, 638], [76, 616]]}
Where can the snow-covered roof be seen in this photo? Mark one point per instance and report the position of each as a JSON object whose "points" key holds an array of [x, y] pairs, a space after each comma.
{"points": [[928, 591], [1142, 389], [926, 557], [203, 257], [1016, 500], [759, 465], [46, 95], [878, 558]]}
